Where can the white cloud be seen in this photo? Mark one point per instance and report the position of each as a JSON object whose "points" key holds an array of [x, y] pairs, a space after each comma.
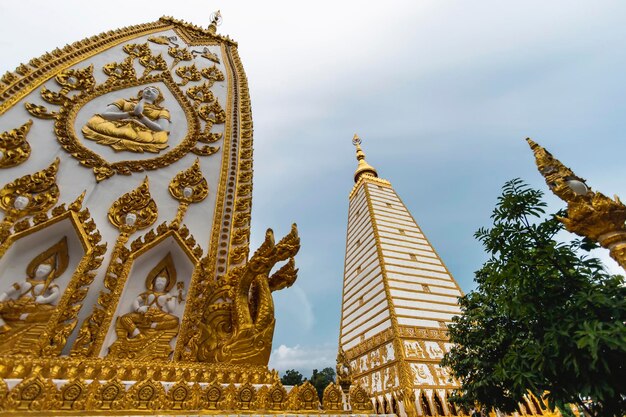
{"points": [[303, 359]]}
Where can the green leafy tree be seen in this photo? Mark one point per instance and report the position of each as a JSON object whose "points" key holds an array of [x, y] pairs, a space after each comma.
{"points": [[291, 377], [543, 318], [320, 380]]}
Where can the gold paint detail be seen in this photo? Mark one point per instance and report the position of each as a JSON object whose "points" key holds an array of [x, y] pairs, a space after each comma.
{"points": [[332, 399], [188, 186], [28, 195], [146, 332], [134, 210], [360, 399], [590, 213], [48, 325], [238, 324], [28, 306], [14, 148]]}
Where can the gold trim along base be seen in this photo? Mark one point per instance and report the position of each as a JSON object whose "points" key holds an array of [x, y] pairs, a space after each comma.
{"points": [[67, 386]]}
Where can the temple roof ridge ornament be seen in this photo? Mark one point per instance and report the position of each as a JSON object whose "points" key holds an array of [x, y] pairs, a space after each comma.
{"points": [[216, 20], [363, 168]]}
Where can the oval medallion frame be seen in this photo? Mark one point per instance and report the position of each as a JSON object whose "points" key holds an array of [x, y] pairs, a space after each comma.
{"points": [[103, 169]]}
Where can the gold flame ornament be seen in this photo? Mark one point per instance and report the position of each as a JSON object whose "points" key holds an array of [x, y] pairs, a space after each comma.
{"points": [[188, 186], [14, 148], [134, 210], [30, 194], [590, 214]]}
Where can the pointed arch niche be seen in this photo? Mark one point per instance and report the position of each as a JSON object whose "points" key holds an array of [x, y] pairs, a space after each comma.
{"points": [[68, 242], [161, 253]]}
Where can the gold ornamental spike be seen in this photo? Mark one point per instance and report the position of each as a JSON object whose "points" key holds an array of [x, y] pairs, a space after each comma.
{"points": [[14, 148], [363, 168], [29, 195], [589, 213], [134, 210], [188, 186], [216, 19]]}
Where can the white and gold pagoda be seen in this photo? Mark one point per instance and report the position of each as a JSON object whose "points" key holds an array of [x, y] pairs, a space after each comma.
{"points": [[398, 298], [126, 285]]}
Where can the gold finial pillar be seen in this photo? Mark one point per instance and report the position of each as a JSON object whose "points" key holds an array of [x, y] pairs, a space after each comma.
{"points": [[590, 214], [363, 168], [216, 19]]}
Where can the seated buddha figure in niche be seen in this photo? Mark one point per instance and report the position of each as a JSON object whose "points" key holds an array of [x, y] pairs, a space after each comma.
{"points": [[137, 124], [146, 332], [27, 305]]}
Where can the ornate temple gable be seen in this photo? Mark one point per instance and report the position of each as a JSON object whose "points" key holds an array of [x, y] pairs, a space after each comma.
{"points": [[398, 298], [140, 296]]}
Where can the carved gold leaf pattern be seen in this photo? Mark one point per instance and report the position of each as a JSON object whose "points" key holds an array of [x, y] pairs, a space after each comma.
{"points": [[188, 73], [14, 148], [138, 203], [28, 195]]}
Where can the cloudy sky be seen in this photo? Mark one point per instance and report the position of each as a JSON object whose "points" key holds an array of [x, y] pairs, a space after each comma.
{"points": [[442, 93]]}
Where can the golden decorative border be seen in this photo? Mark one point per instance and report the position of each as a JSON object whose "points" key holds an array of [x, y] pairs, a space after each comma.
{"points": [[204, 272], [65, 316], [97, 387], [233, 204], [240, 234]]}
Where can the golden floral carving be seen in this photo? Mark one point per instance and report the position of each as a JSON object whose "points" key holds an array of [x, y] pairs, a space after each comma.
{"points": [[332, 398], [28, 195], [304, 397], [213, 74], [145, 395], [277, 397], [134, 210], [188, 73], [246, 396], [179, 54], [31, 394], [72, 395], [137, 50], [589, 213], [109, 396], [183, 396], [212, 395], [120, 71], [152, 63], [14, 148], [242, 331], [188, 186], [360, 399]]}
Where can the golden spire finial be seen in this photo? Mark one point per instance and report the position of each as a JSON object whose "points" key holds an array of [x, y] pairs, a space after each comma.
{"points": [[216, 19], [363, 168]]}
